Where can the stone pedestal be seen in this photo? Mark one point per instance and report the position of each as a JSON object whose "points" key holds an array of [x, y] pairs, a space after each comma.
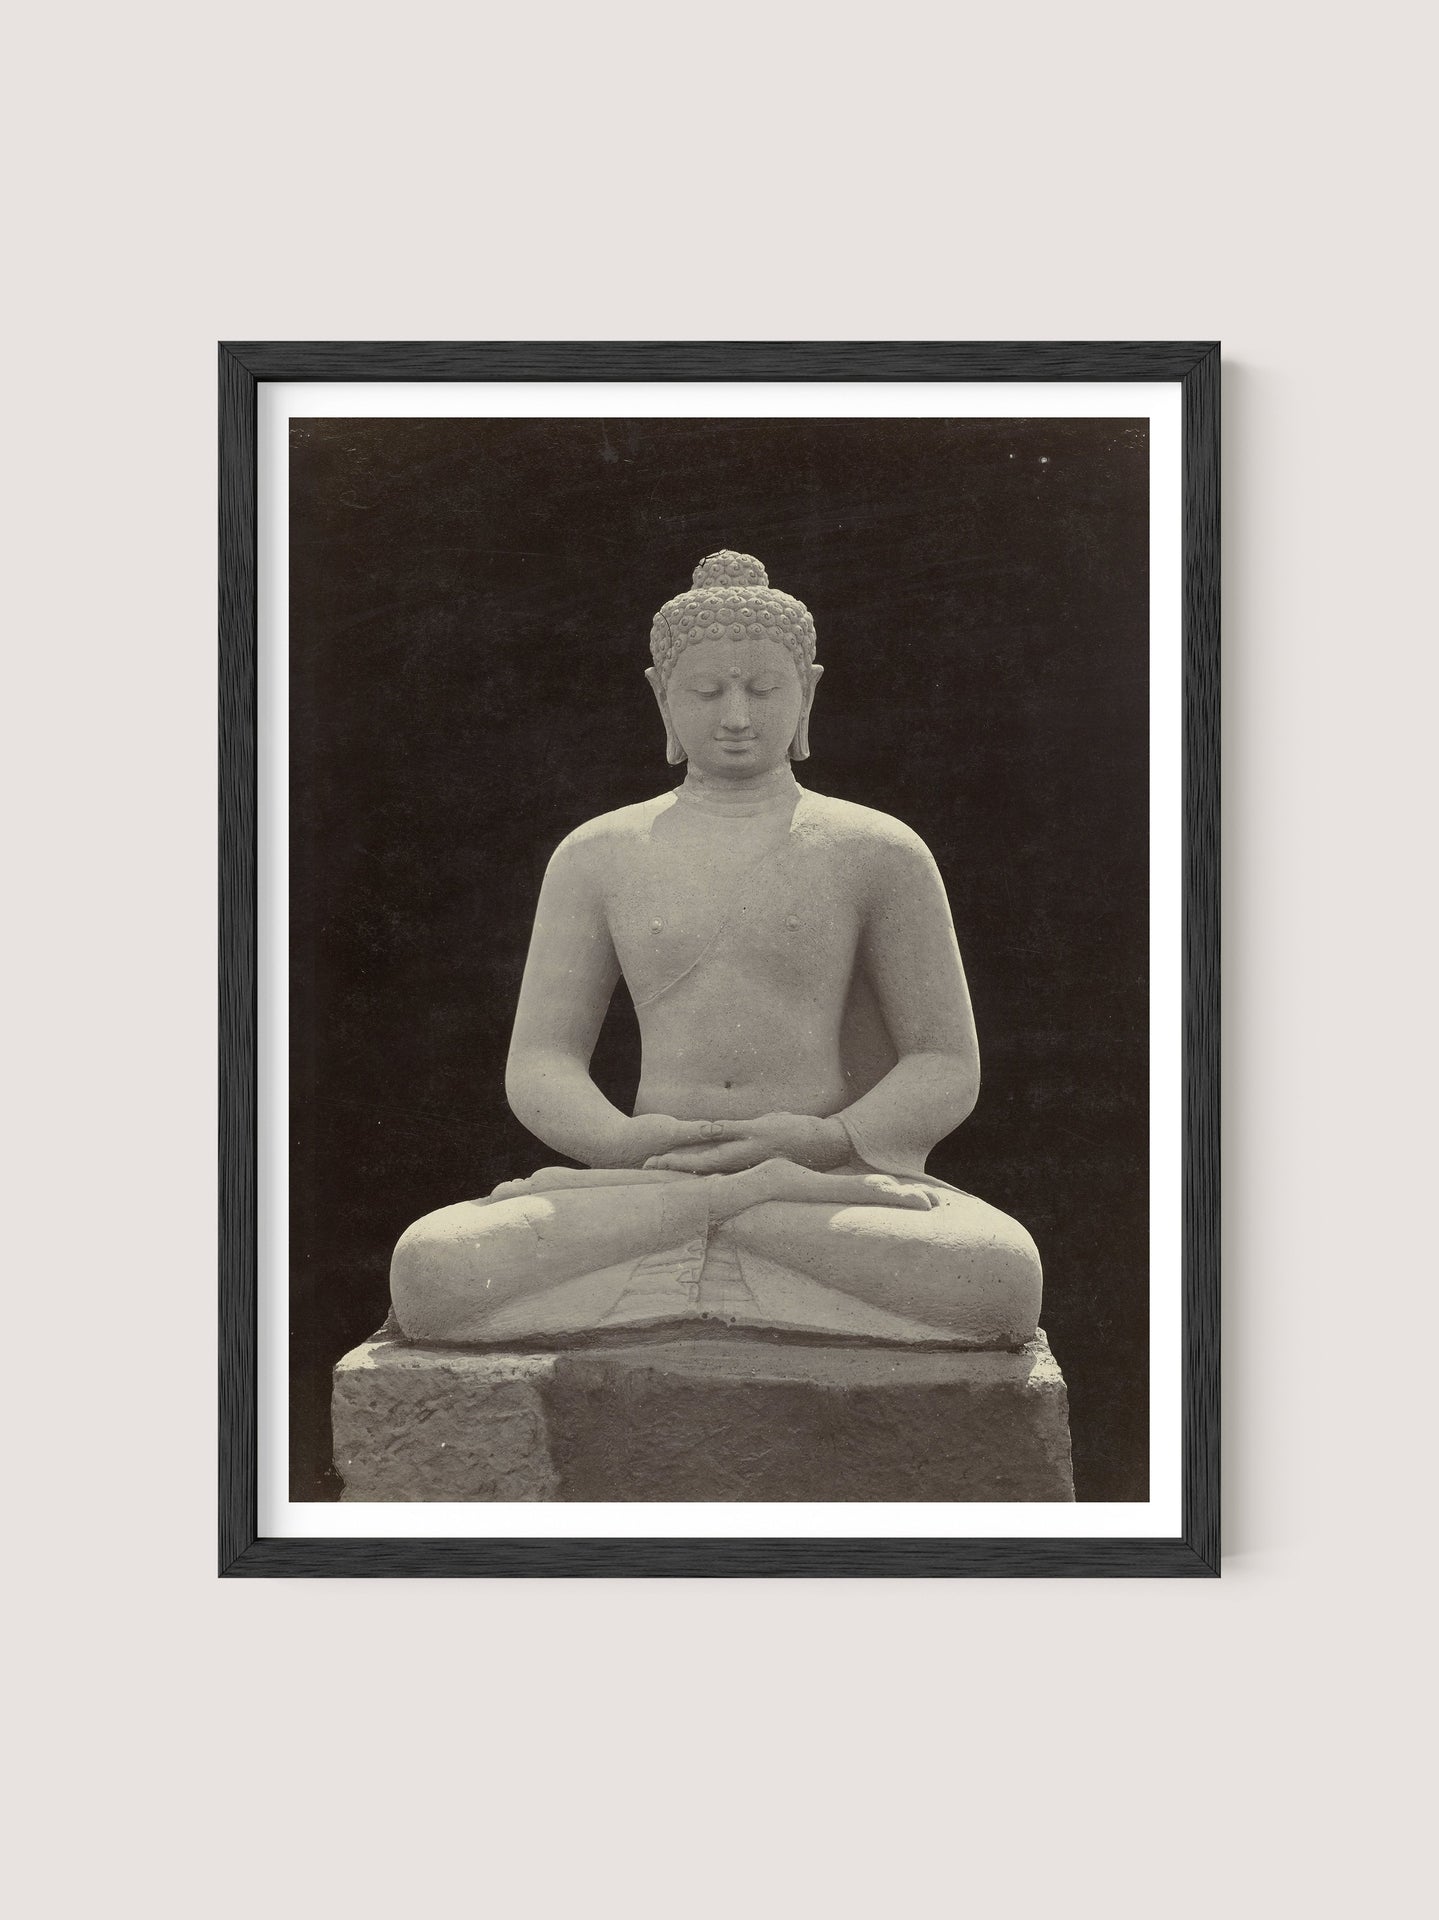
{"points": [[718, 1418]]}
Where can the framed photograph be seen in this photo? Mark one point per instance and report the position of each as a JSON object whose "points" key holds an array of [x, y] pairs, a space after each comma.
{"points": [[679, 1118]]}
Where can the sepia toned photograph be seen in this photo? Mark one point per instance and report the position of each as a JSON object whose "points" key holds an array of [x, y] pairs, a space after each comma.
{"points": [[719, 934]]}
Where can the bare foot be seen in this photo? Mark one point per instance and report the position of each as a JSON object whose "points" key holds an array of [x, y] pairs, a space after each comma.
{"points": [[732, 1193]]}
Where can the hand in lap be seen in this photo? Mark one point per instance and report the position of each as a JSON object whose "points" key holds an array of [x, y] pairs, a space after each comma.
{"points": [[733, 1145]]}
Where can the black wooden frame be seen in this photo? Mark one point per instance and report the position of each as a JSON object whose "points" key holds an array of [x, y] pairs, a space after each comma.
{"points": [[243, 364]]}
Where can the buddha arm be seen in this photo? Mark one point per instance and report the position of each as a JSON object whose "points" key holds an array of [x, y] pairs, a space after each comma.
{"points": [[912, 958], [570, 974]]}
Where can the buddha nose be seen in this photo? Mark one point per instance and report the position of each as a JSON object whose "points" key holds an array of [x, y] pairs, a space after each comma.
{"points": [[734, 714]]}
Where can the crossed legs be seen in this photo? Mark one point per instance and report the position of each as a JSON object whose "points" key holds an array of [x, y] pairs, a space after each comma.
{"points": [[956, 1264], [963, 1267]]}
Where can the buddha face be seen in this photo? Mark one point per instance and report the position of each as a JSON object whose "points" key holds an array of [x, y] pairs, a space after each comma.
{"points": [[734, 706]]}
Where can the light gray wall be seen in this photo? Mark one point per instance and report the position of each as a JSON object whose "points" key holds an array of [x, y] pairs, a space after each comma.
{"points": [[1245, 171]]}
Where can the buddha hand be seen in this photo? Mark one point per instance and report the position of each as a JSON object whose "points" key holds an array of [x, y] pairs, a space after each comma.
{"points": [[730, 1146], [734, 1193], [650, 1138]]}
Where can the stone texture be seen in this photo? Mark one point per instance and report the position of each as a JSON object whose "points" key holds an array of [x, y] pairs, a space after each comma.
{"points": [[714, 1418], [423, 1423]]}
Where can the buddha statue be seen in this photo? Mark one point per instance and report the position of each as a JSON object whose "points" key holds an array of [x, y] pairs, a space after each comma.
{"points": [[806, 1034]]}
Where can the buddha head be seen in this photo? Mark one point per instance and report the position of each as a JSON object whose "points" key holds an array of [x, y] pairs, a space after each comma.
{"points": [[734, 671]]}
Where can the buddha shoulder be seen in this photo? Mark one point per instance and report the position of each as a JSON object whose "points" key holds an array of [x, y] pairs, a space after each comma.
{"points": [[595, 845], [876, 840]]}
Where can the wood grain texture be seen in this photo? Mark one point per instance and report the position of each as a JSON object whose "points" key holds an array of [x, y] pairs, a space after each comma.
{"points": [[718, 360], [1201, 958], [719, 1559], [242, 365], [238, 1377]]}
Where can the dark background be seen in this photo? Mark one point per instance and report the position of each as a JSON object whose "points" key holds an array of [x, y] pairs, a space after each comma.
{"points": [[470, 612]]}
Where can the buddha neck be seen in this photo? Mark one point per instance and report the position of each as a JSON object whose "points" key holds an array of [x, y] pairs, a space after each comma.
{"points": [[765, 793]]}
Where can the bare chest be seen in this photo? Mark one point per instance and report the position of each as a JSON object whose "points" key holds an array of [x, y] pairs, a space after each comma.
{"points": [[778, 914]]}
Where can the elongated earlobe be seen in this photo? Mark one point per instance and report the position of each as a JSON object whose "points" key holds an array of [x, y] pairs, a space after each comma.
{"points": [[799, 746], [674, 752]]}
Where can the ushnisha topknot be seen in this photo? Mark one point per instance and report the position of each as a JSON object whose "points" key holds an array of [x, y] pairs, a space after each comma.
{"points": [[731, 597]]}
